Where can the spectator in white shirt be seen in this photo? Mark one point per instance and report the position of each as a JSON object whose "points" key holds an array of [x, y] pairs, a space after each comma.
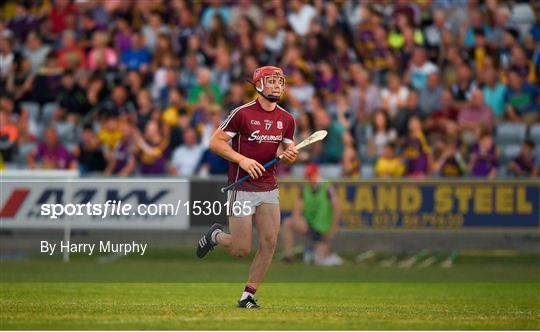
{"points": [[419, 69], [186, 157], [151, 31], [301, 16], [395, 96], [301, 90], [7, 57], [35, 51], [381, 134], [275, 36]]}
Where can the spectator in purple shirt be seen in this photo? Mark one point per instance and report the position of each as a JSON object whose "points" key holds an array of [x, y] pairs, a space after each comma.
{"points": [[121, 160], [449, 163], [416, 152], [122, 37], [327, 79], [22, 23], [483, 160], [51, 153], [524, 164], [152, 150]]}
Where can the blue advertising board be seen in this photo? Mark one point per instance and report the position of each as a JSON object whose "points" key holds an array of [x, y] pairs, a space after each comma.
{"points": [[431, 204]]}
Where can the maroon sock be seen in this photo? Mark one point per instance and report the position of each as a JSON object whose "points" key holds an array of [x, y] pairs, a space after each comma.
{"points": [[248, 291]]}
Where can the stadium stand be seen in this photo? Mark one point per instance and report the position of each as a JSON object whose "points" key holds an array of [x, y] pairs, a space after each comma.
{"points": [[364, 70]]}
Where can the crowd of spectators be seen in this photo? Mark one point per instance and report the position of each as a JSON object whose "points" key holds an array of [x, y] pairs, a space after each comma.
{"points": [[404, 87]]}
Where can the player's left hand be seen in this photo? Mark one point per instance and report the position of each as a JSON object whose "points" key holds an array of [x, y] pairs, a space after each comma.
{"points": [[290, 154]]}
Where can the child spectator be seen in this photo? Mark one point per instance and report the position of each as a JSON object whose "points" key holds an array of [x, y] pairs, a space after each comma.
{"points": [[416, 152], [389, 164], [524, 164], [350, 165], [450, 162], [110, 135], [483, 159]]}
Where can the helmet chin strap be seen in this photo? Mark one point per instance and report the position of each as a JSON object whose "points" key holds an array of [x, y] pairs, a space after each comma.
{"points": [[270, 98]]}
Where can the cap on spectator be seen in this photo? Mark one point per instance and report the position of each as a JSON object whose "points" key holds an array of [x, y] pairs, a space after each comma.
{"points": [[311, 170], [265, 71]]}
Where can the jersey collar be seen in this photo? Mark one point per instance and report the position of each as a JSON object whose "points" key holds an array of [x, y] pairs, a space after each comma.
{"points": [[259, 106]]}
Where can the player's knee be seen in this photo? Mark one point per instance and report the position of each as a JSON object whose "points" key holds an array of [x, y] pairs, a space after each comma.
{"points": [[268, 243], [240, 252]]}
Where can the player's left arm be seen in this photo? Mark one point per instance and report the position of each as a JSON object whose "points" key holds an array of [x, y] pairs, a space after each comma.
{"points": [[290, 152]]}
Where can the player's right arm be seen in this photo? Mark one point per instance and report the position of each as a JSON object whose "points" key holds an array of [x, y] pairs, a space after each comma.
{"points": [[219, 144]]}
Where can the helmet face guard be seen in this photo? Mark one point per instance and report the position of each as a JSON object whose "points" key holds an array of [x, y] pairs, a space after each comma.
{"points": [[272, 81], [271, 77]]}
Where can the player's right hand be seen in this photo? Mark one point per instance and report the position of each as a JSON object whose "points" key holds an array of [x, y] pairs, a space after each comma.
{"points": [[252, 167]]}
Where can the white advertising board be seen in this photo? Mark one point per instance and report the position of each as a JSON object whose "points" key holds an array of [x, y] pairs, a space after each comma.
{"points": [[93, 203]]}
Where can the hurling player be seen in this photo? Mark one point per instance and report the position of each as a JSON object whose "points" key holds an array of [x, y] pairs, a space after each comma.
{"points": [[257, 129]]}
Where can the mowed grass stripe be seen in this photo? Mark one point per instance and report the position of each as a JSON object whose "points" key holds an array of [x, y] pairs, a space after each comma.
{"points": [[285, 306]]}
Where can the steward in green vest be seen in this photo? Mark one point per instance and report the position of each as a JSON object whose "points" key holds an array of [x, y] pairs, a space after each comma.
{"points": [[316, 214], [318, 210]]}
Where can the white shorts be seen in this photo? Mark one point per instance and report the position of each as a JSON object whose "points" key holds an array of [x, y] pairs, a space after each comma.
{"points": [[244, 203]]}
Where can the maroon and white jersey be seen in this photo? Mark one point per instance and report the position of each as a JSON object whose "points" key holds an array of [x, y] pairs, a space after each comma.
{"points": [[257, 134]]}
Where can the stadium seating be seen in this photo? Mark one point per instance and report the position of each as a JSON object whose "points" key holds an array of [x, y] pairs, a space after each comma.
{"points": [[509, 152], [534, 133], [48, 111], [537, 153], [32, 108], [510, 133], [367, 171]]}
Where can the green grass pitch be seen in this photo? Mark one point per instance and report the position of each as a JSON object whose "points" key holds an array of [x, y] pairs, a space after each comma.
{"points": [[172, 290]]}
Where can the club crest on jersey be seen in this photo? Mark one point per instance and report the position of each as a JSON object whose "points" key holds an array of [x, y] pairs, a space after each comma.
{"points": [[279, 125], [264, 138]]}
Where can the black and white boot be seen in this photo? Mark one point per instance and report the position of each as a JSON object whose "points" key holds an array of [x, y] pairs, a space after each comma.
{"points": [[248, 303], [206, 244]]}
